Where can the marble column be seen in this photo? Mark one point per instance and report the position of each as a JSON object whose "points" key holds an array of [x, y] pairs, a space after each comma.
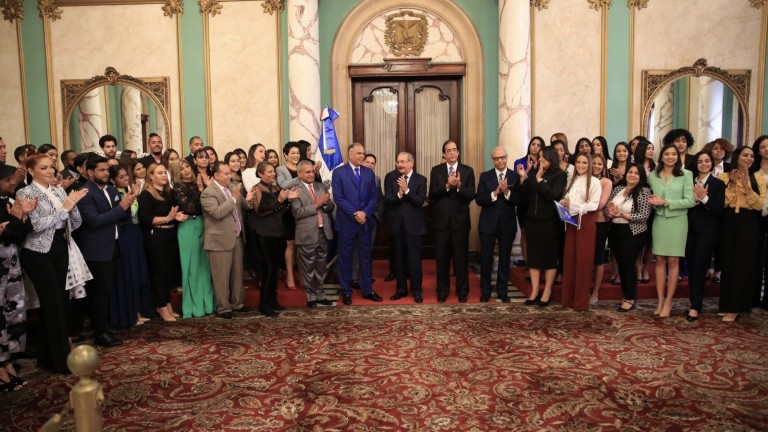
{"points": [[131, 104], [514, 77], [90, 122], [304, 71], [663, 114], [710, 114]]}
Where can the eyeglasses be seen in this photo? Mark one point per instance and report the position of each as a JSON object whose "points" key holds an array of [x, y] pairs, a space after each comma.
{"points": [[498, 157]]}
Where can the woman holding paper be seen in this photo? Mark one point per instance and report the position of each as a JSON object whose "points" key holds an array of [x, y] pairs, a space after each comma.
{"points": [[582, 197], [543, 226]]}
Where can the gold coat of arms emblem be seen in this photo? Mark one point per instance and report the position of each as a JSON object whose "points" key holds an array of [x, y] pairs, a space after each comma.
{"points": [[406, 33]]}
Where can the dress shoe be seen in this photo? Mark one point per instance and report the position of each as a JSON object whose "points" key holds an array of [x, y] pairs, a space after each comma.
{"points": [[79, 338], [243, 310], [346, 299], [324, 302], [484, 298], [504, 299], [107, 341], [111, 331], [397, 296], [621, 309], [355, 284], [462, 299], [730, 317], [267, 311], [691, 318], [441, 298], [278, 307], [373, 296], [544, 304], [312, 304], [390, 277], [224, 315], [418, 298]]}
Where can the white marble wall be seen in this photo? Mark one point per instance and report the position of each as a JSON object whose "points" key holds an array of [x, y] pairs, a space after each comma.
{"points": [[567, 71], [91, 120], [244, 77], [514, 77], [663, 113], [725, 32], [442, 45], [136, 40], [710, 113], [131, 121], [11, 108], [304, 104]]}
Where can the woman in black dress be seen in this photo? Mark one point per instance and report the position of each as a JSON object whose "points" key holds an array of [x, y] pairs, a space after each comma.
{"points": [[543, 226], [158, 217]]}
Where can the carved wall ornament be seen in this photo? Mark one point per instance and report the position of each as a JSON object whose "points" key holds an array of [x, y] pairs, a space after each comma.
{"points": [[13, 10], [639, 4], [271, 6], [757, 4], [653, 81], [48, 9], [599, 4], [540, 4], [211, 7], [171, 8], [406, 36]]}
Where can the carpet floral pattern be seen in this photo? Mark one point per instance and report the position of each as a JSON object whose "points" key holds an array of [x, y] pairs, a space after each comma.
{"points": [[425, 368]]}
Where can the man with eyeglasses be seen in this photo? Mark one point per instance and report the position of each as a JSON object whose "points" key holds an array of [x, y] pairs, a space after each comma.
{"points": [[497, 195]]}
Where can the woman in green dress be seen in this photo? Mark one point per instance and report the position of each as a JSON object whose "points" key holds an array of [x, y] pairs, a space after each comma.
{"points": [[672, 196], [197, 298]]}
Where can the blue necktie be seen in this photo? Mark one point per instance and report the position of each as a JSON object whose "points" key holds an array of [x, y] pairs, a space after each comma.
{"points": [[357, 174], [450, 170]]}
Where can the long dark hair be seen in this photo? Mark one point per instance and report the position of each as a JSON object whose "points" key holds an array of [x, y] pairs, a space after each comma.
{"points": [[735, 165], [604, 144], [550, 155], [616, 161], [640, 158], [635, 192], [696, 157], [541, 144], [589, 144], [677, 170], [756, 150]]}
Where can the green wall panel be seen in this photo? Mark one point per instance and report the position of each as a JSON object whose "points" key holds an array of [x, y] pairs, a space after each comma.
{"points": [[193, 64], [680, 90], [35, 75], [617, 75], [727, 112]]}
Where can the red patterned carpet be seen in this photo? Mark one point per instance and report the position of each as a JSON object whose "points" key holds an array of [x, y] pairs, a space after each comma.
{"points": [[474, 367]]}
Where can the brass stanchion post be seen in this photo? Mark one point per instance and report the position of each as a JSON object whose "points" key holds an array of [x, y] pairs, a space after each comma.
{"points": [[86, 396]]}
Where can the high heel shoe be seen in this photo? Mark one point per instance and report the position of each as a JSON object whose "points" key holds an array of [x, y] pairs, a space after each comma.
{"points": [[622, 309], [544, 304], [666, 310], [689, 317], [531, 302], [730, 317]]}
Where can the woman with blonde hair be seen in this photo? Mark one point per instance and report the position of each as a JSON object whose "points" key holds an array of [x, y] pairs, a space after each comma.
{"points": [[158, 217]]}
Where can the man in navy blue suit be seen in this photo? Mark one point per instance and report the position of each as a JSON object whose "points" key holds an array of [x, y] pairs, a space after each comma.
{"points": [[102, 210], [356, 195], [404, 194], [497, 195]]}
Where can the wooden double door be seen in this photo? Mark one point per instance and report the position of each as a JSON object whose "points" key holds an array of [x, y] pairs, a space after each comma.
{"points": [[412, 114]]}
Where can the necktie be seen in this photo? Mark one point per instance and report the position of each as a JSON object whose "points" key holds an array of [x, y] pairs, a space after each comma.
{"points": [[501, 177], [450, 170], [234, 213], [319, 216], [357, 174], [406, 179]]}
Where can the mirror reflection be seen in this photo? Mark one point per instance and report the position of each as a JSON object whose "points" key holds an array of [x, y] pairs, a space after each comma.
{"points": [[120, 110], [703, 105]]}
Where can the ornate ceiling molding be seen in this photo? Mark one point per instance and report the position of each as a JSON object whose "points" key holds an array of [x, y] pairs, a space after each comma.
{"points": [[210, 7], [271, 6], [639, 4], [49, 9], [540, 4], [599, 4], [171, 8], [13, 10], [757, 4]]}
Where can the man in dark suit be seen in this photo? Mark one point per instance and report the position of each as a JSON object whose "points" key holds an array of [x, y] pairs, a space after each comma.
{"points": [[313, 230], [356, 195], [68, 161], [155, 151], [195, 144], [451, 189], [497, 195], [404, 195], [102, 210]]}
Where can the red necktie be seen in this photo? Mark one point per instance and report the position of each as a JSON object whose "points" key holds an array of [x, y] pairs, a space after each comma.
{"points": [[314, 198]]}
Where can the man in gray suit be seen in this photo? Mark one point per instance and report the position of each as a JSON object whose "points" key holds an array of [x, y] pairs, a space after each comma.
{"points": [[223, 239], [313, 230]]}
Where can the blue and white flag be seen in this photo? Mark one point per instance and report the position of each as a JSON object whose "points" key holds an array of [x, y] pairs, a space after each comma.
{"points": [[328, 145]]}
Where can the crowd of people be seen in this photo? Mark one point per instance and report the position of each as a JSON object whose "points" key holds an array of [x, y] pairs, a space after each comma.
{"points": [[109, 236]]}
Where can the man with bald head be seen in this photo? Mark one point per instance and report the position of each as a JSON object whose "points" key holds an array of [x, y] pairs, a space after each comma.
{"points": [[497, 195], [404, 193]]}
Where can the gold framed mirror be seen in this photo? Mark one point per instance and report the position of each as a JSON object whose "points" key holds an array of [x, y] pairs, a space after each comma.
{"points": [[707, 101], [128, 108]]}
